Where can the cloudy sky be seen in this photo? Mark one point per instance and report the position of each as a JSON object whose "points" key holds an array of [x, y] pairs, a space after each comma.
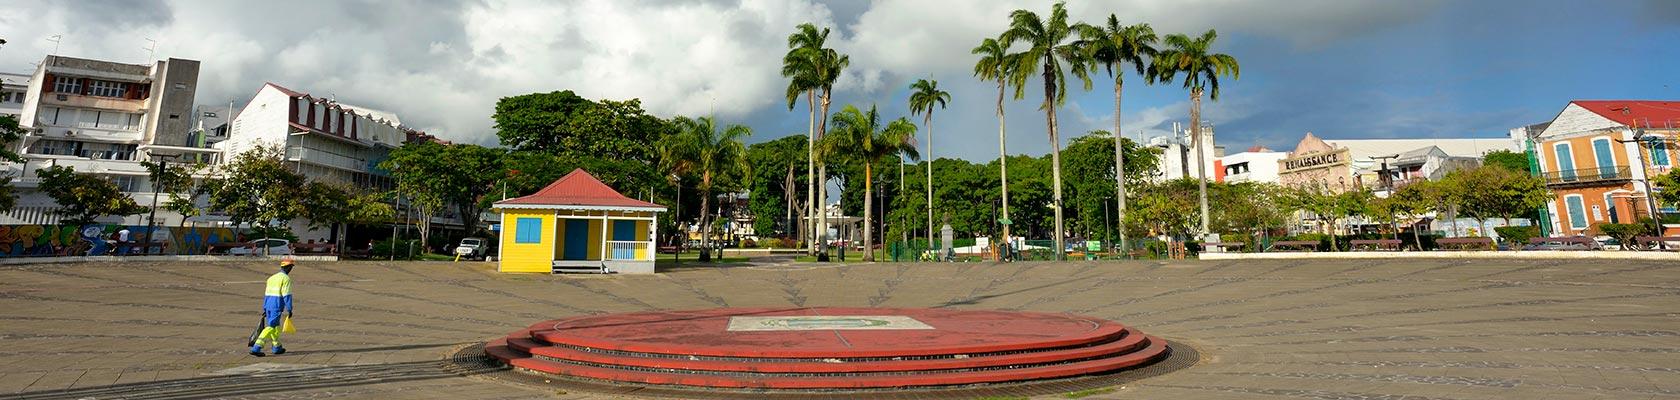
{"points": [[1338, 68]]}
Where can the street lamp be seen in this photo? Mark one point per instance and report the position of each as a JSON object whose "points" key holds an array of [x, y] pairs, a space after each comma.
{"points": [[1639, 140], [162, 169]]}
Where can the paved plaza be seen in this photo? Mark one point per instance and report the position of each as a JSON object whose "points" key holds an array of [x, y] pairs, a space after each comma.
{"points": [[1263, 329]]}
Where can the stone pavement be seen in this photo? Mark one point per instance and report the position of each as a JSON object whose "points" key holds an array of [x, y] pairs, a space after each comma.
{"points": [[1266, 329]]}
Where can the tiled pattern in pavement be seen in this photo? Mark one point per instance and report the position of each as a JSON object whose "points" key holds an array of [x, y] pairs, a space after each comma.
{"points": [[1283, 329]]}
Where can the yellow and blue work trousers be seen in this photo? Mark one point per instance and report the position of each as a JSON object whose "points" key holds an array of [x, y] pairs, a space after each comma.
{"points": [[277, 302]]}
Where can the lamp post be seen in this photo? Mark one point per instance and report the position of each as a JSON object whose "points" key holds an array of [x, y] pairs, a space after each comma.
{"points": [[162, 169]]}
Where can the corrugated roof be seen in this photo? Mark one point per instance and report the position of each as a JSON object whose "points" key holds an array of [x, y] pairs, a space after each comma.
{"points": [[578, 188], [1636, 113]]}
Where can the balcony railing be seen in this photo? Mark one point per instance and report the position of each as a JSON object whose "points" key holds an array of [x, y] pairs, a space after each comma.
{"points": [[1588, 175], [626, 250], [326, 158]]}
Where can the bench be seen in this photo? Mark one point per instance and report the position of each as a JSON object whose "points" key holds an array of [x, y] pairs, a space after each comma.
{"points": [[1294, 245], [1469, 243], [1376, 244], [1572, 243], [315, 248], [1223, 246], [1656, 243]]}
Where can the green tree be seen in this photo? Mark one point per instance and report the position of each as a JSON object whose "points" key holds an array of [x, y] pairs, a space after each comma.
{"points": [[83, 198], [1670, 182], [777, 166], [1507, 159], [861, 137], [1114, 45], [332, 204], [1497, 192], [562, 123], [1415, 199], [1048, 41], [1331, 207], [819, 67], [1166, 208], [1252, 208], [10, 133], [996, 64], [177, 180], [804, 77], [257, 188], [425, 181], [1201, 68], [713, 156], [924, 95]]}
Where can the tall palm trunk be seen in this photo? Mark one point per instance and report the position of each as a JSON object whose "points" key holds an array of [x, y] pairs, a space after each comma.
{"points": [[1003, 162], [1201, 166], [928, 122], [706, 225], [810, 178], [822, 176], [868, 211], [1119, 168], [1055, 154], [903, 220]]}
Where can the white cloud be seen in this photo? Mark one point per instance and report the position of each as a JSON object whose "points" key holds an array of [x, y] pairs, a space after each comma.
{"points": [[442, 66]]}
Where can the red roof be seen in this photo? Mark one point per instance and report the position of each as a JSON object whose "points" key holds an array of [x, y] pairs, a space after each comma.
{"points": [[1636, 113], [578, 188]]}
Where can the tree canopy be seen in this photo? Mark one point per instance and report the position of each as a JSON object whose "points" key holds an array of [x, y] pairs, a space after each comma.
{"points": [[565, 124], [83, 198]]}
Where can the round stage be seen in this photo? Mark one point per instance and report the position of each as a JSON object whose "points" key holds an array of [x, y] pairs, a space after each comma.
{"points": [[826, 348]]}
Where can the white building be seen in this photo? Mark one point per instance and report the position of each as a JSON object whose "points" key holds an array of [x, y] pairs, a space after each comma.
{"points": [[13, 92], [322, 139], [1366, 156], [1178, 154], [1257, 164], [102, 118]]}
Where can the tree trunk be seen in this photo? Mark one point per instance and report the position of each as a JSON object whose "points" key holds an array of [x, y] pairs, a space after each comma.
{"points": [[787, 193], [822, 175], [810, 176], [1201, 165], [927, 121], [706, 226], [1119, 167], [1055, 156], [1417, 237], [868, 211], [1003, 162]]}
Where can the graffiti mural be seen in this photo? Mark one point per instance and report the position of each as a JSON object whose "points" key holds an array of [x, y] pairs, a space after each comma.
{"points": [[101, 239]]}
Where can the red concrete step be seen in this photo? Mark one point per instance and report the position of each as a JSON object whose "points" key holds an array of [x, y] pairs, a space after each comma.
{"points": [[1131, 341], [1155, 349]]}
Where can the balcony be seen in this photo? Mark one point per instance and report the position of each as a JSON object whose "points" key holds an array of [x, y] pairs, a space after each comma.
{"points": [[326, 159], [1588, 176], [93, 102]]}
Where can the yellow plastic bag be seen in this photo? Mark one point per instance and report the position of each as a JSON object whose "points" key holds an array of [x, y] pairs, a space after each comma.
{"points": [[286, 326]]}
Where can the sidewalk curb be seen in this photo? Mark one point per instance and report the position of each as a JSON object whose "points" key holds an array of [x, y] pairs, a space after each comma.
{"points": [[1527, 255]]}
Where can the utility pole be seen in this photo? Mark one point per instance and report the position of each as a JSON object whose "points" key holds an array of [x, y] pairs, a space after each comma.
{"points": [[151, 220]]}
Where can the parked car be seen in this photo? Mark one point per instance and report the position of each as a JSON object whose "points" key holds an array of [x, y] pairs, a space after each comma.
{"points": [[475, 248], [276, 247]]}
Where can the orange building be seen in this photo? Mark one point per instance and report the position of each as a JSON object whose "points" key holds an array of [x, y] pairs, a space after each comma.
{"points": [[1597, 157]]}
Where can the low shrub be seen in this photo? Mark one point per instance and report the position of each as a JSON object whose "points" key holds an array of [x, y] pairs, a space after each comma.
{"points": [[1517, 236]]}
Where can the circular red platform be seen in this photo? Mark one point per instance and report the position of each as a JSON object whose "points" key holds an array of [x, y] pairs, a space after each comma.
{"points": [[826, 348]]}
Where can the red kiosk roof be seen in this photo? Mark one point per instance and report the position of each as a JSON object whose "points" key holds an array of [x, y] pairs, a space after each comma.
{"points": [[578, 189]]}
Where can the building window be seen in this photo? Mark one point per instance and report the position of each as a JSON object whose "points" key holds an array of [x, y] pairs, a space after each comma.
{"points": [[527, 230], [1659, 151], [1565, 161], [5, 97], [64, 84], [109, 89], [1577, 211]]}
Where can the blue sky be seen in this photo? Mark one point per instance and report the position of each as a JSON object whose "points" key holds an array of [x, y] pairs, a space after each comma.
{"points": [[1337, 68]]}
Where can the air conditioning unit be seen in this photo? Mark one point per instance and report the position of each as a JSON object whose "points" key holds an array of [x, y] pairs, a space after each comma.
{"points": [[68, 132]]}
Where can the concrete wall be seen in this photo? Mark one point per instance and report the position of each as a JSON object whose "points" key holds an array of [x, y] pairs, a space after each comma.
{"points": [[174, 87]]}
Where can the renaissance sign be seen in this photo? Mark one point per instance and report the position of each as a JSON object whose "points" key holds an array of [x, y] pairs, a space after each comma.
{"points": [[1316, 160]]}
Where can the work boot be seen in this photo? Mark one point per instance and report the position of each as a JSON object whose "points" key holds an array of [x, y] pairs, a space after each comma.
{"points": [[279, 350], [256, 351]]}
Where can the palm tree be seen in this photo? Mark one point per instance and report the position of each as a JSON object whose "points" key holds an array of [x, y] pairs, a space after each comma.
{"points": [[1201, 70], [997, 65], [817, 68], [1115, 45], [924, 95], [1048, 42], [859, 135], [801, 72], [699, 149]]}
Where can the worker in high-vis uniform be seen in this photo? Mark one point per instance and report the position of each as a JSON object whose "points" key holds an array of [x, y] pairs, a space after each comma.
{"points": [[277, 299]]}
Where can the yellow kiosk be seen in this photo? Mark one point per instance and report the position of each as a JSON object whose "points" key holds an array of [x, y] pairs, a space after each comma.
{"points": [[577, 224]]}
